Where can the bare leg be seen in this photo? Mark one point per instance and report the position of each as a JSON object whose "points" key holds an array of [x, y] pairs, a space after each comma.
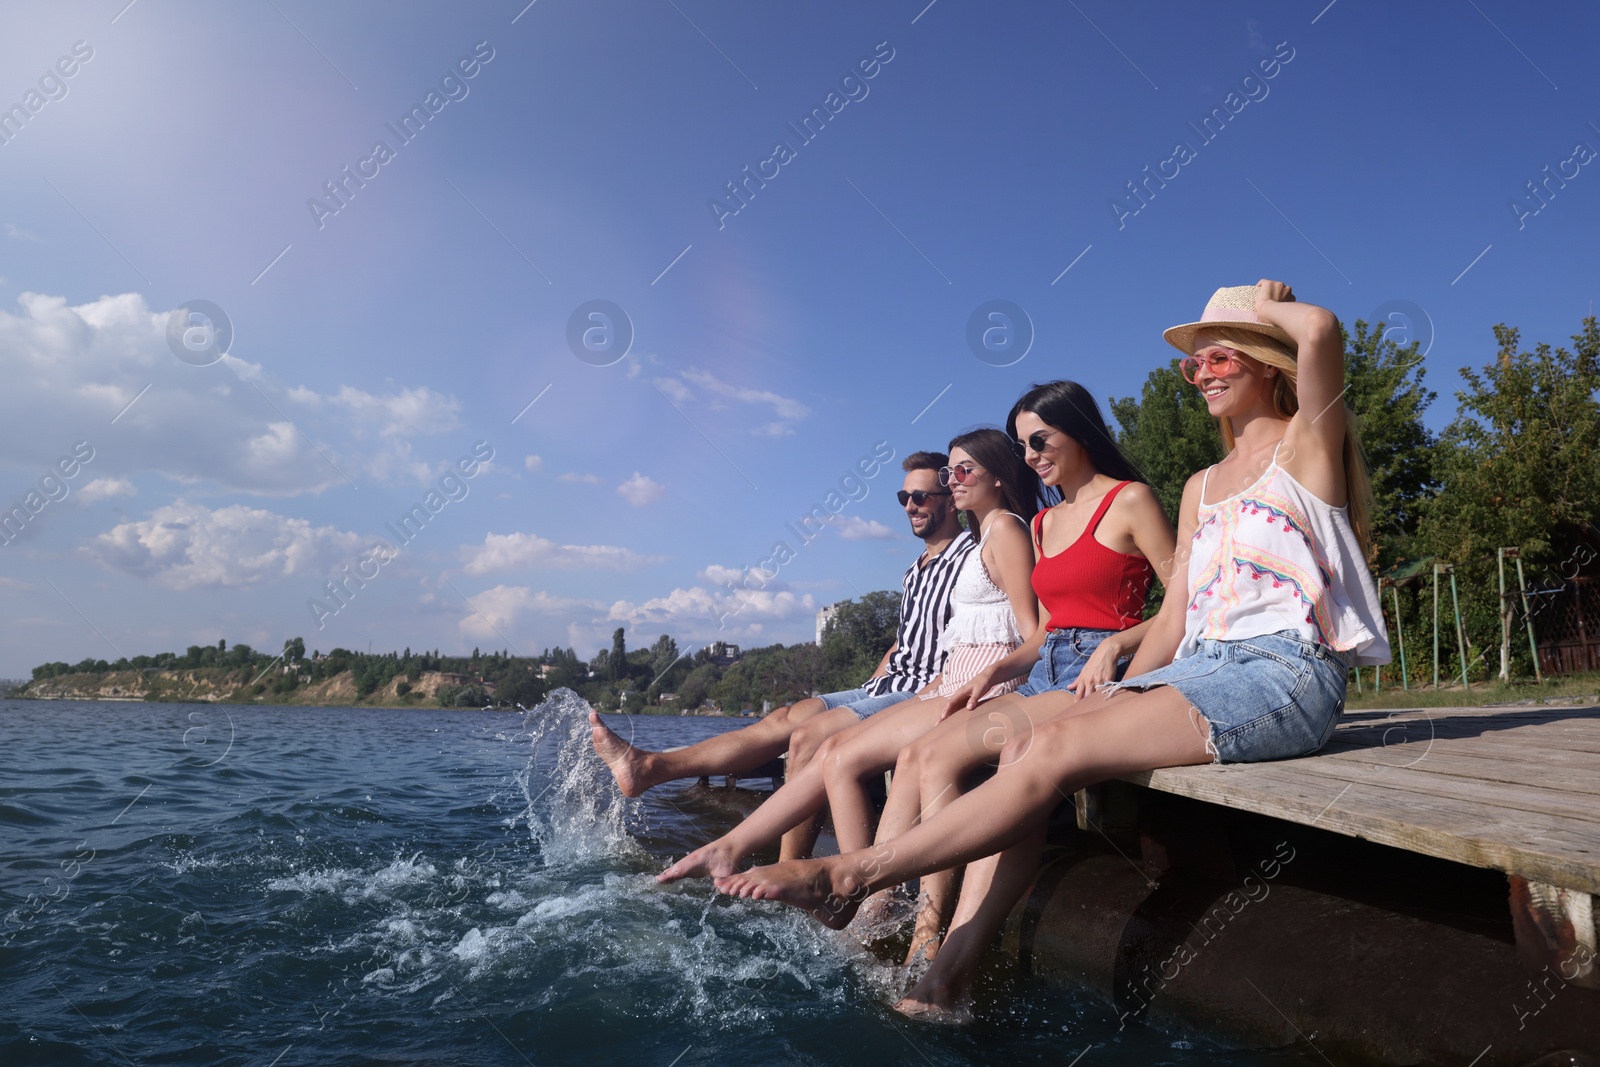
{"points": [[942, 760], [637, 770], [803, 745], [802, 796], [1140, 731], [993, 885], [872, 749]]}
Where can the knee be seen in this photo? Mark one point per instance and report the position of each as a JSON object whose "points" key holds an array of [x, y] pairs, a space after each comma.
{"points": [[833, 756], [909, 761], [804, 743], [1054, 735], [935, 762], [802, 711]]}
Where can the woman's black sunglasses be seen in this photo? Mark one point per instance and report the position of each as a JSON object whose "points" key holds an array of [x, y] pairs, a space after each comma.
{"points": [[1037, 439], [919, 496]]}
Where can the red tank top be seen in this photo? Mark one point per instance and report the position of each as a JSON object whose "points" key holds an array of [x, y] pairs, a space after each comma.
{"points": [[1088, 585]]}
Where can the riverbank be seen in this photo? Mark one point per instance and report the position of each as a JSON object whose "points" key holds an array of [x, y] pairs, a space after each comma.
{"points": [[231, 685]]}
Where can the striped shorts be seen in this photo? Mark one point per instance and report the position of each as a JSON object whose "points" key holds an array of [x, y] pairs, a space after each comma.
{"points": [[963, 662]]}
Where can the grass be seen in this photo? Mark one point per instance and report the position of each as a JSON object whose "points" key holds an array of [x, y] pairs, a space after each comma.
{"points": [[1568, 689]]}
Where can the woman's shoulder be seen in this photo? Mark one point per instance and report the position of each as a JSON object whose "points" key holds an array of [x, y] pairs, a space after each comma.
{"points": [[1007, 529], [1133, 499]]}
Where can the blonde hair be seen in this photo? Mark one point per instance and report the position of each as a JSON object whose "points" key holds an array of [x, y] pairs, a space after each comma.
{"points": [[1285, 402]]}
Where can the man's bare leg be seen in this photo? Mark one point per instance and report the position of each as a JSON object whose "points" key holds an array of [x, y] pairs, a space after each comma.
{"points": [[637, 770]]}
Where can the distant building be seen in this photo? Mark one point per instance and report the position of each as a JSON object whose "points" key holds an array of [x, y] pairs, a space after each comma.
{"points": [[828, 611], [724, 654]]}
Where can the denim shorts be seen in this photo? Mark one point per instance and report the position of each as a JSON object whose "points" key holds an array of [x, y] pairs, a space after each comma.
{"points": [[1063, 656], [862, 702], [1270, 697]]}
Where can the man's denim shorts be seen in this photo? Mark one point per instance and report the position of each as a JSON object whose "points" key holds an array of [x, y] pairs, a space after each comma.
{"points": [[1270, 697], [1063, 656], [862, 702]]}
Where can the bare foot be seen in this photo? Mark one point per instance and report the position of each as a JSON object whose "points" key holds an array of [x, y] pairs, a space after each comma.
{"points": [[877, 915], [716, 860], [934, 1000], [626, 762], [924, 946], [805, 884]]}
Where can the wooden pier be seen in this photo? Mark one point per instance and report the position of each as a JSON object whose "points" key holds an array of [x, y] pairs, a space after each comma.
{"points": [[1420, 891], [1515, 790]]}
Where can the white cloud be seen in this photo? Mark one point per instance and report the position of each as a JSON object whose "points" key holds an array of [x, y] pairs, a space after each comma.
{"points": [[674, 389], [185, 546], [16, 233], [408, 412], [697, 612], [498, 609], [106, 488], [502, 552], [855, 528], [788, 411], [228, 425], [532, 463], [641, 490], [584, 479]]}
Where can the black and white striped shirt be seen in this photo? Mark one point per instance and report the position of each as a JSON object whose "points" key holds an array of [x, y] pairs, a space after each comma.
{"points": [[924, 609]]}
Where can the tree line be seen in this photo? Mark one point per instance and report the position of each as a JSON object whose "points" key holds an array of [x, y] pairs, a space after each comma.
{"points": [[655, 678]]}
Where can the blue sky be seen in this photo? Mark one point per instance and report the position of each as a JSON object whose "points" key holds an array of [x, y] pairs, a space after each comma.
{"points": [[773, 349]]}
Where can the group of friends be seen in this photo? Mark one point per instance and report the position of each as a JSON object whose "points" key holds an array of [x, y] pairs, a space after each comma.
{"points": [[1022, 642]]}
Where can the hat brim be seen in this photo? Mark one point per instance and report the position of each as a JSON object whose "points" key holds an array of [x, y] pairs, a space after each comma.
{"points": [[1182, 337]]}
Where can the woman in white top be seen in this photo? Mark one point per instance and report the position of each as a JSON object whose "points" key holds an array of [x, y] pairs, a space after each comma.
{"points": [[992, 606], [1269, 603]]}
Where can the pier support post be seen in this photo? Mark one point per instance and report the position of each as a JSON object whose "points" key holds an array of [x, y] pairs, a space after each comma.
{"points": [[1555, 931]]}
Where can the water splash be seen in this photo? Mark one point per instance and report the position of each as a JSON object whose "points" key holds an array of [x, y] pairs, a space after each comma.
{"points": [[575, 814]]}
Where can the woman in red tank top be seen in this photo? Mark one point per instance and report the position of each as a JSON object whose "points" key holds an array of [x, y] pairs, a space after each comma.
{"points": [[1095, 549]]}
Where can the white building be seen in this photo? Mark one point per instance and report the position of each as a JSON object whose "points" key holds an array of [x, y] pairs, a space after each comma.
{"points": [[823, 616]]}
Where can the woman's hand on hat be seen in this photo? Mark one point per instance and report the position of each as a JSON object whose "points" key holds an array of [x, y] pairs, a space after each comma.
{"points": [[1271, 292]]}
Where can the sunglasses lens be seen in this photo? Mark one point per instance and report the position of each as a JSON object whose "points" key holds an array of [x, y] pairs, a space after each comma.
{"points": [[902, 496], [946, 473]]}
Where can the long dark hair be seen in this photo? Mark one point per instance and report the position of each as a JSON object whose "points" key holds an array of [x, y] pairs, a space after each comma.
{"points": [[994, 452], [1070, 408]]}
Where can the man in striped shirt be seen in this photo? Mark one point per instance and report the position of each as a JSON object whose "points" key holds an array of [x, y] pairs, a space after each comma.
{"points": [[911, 663]]}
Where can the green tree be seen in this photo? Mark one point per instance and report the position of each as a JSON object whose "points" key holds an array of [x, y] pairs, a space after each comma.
{"points": [[619, 656], [1167, 434], [1517, 467], [697, 687], [857, 636], [663, 654], [521, 685], [1384, 388], [294, 649]]}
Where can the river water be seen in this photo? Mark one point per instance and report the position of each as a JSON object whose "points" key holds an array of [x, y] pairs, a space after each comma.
{"points": [[278, 886]]}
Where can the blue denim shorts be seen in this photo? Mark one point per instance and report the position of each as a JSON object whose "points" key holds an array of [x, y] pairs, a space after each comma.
{"points": [[862, 702], [1270, 697], [1063, 656]]}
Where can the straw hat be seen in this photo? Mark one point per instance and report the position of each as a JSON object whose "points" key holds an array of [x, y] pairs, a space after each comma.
{"points": [[1233, 306]]}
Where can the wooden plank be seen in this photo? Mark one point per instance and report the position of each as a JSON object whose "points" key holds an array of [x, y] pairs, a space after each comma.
{"points": [[1472, 795], [1580, 777], [1553, 849], [1574, 737]]}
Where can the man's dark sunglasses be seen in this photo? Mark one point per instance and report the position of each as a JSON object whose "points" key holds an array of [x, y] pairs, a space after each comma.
{"points": [[919, 496]]}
